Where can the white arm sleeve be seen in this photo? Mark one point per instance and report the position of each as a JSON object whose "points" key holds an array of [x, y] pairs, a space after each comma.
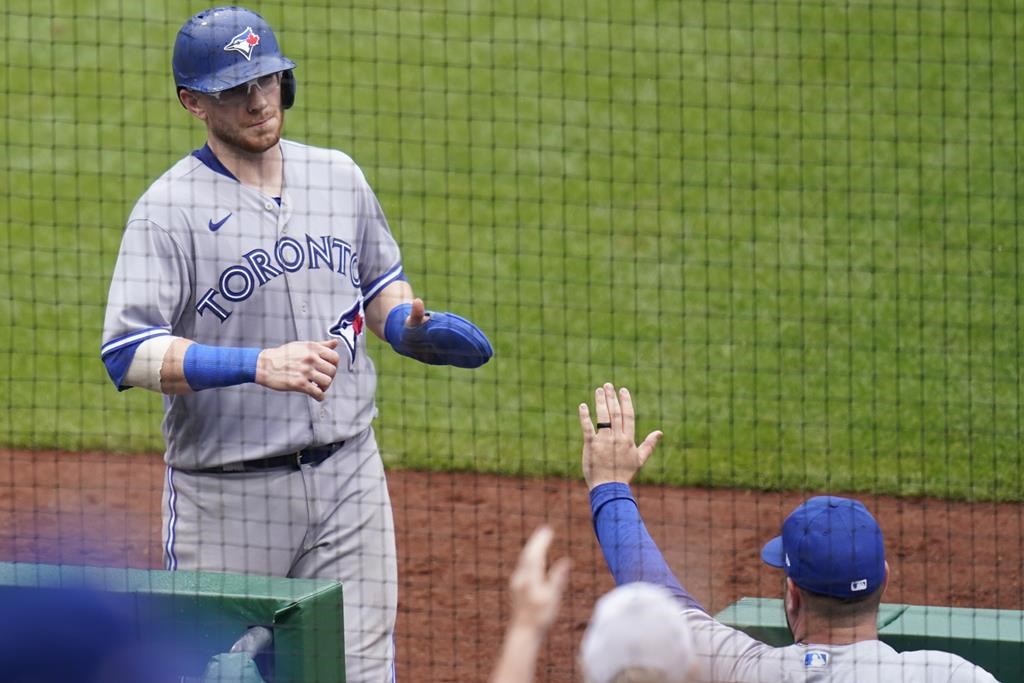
{"points": [[144, 372]]}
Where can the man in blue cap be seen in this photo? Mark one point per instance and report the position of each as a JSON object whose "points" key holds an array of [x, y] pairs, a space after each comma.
{"points": [[832, 551], [830, 548]]}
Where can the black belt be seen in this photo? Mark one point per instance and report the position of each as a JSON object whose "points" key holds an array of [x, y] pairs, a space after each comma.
{"points": [[314, 455]]}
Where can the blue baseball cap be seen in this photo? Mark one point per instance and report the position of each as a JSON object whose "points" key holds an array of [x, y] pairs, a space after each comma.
{"points": [[223, 47], [831, 546]]}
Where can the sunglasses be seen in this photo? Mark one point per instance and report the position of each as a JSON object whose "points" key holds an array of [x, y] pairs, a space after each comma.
{"points": [[241, 93]]}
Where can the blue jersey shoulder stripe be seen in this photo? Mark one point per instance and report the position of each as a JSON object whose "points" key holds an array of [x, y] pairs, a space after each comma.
{"points": [[373, 289], [132, 339]]}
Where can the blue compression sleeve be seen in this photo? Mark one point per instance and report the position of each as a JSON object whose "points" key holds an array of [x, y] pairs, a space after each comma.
{"points": [[631, 553], [207, 367]]}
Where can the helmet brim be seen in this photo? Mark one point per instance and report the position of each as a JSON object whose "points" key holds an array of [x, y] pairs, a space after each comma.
{"points": [[239, 73]]}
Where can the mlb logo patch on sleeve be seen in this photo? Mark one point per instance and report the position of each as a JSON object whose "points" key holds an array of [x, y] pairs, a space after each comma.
{"points": [[815, 659]]}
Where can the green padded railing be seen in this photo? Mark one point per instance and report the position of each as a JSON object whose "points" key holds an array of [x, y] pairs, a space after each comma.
{"points": [[991, 638], [210, 611]]}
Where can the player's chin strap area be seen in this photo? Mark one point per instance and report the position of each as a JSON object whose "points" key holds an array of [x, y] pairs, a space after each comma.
{"points": [[443, 339]]}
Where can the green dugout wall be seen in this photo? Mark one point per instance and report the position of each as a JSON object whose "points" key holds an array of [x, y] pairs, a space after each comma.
{"points": [[208, 612], [991, 638], [205, 613]]}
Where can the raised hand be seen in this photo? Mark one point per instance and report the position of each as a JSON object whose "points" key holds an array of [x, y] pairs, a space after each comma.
{"points": [[610, 453], [536, 593]]}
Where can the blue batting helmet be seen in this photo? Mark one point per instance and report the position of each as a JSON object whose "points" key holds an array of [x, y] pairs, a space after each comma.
{"points": [[224, 47]]}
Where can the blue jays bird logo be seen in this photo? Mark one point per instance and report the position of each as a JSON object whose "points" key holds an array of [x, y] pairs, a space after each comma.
{"points": [[243, 43], [348, 328]]}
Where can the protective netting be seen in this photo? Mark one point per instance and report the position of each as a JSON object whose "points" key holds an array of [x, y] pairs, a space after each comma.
{"points": [[790, 228]]}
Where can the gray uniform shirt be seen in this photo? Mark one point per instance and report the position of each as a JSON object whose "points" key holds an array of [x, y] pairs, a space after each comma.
{"points": [[727, 655], [209, 259]]}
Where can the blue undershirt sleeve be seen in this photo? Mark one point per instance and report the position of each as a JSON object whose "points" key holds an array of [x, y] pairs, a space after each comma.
{"points": [[118, 362], [119, 353], [631, 553]]}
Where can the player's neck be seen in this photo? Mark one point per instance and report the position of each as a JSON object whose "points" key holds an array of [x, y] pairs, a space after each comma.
{"points": [[262, 171], [837, 632]]}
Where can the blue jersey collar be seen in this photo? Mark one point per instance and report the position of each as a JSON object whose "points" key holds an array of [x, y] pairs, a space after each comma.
{"points": [[211, 161], [207, 156]]}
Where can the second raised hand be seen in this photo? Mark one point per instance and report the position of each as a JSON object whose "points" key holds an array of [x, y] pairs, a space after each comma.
{"points": [[610, 453]]}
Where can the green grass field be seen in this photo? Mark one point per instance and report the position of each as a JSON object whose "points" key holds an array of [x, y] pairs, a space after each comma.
{"points": [[790, 228]]}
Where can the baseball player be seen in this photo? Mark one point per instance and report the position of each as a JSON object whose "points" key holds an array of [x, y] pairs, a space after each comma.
{"points": [[831, 549], [247, 277]]}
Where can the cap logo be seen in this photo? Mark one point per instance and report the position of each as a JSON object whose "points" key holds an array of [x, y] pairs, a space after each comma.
{"points": [[815, 659], [787, 560], [861, 585], [243, 43]]}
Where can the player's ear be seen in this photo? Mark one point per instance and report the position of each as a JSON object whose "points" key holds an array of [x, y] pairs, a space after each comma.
{"points": [[191, 102], [792, 598]]}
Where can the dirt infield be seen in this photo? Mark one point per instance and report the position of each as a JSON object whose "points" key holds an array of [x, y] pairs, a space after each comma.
{"points": [[458, 537]]}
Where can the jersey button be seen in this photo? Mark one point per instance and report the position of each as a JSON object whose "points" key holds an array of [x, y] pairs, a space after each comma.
{"points": [[269, 206]]}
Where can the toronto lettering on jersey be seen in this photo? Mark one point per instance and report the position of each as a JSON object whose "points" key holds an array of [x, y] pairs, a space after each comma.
{"points": [[239, 281]]}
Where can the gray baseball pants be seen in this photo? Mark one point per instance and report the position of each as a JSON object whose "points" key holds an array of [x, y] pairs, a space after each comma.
{"points": [[329, 521]]}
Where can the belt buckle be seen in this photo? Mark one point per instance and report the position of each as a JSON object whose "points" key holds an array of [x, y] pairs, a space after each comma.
{"points": [[298, 459]]}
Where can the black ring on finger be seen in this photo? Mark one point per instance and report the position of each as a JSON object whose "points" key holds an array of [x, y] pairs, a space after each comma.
{"points": [[604, 425]]}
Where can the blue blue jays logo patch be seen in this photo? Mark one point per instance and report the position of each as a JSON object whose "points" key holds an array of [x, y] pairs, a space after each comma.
{"points": [[348, 328], [243, 43]]}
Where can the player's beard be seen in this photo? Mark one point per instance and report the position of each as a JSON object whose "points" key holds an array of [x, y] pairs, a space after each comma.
{"points": [[247, 138]]}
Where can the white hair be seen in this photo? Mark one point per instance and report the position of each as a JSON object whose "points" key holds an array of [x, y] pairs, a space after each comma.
{"points": [[637, 634]]}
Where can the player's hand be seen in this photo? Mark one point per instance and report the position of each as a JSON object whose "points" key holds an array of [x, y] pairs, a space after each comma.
{"points": [[610, 454], [435, 338], [418, 315], [537, 594], [304, 366]]}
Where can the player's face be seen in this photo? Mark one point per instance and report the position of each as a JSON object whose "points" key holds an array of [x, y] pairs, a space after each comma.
{"points": [[248, 117]]}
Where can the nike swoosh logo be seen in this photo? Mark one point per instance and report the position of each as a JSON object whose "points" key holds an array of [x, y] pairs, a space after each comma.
{"points": [[214, 227]]}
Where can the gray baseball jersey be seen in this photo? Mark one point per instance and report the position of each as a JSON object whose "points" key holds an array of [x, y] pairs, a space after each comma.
{"points": [[209, 259], [726, 655]]}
